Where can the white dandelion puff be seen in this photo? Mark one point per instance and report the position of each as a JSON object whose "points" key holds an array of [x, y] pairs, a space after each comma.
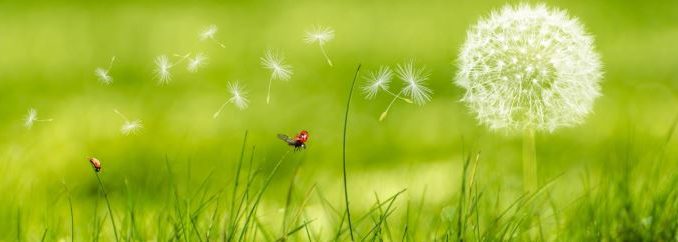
{"points": [[529, 68], [238, 98], [32, 117], [275, 62], [103, 75], [129, 126], [208, 34], [415, 86], [321, 35], [196, 62]]}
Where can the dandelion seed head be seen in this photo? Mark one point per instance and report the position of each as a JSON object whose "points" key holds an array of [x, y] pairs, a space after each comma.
{"points": [[275, 62], [377, 80], [209, 32], [238, 95], [162, 69], [414, 78], [102, 75], [196, 62], [131, 127], [30, 118], [529, 67], [319, 34]]}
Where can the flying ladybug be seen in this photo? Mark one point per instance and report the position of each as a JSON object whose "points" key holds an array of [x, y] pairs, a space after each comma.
{"points": [[298, 141]]}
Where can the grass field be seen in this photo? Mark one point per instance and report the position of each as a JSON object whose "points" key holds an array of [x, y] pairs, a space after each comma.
{"points": [[424, 173]]}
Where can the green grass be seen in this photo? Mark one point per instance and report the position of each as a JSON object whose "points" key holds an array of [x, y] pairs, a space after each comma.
{"points": [[424, 173]]}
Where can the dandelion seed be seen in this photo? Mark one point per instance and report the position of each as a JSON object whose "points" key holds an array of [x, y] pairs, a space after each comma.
{"points": [[377, 80], [32, 117], [238, 98], [275, 62], [208, 33], [162, 69], [320, 35], [129, 127], [414, 79], [415, 88], [196, 62], [103, 74]]}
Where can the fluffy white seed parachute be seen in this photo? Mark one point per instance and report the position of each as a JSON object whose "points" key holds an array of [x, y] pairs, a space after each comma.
{"points": [[528, 67]]}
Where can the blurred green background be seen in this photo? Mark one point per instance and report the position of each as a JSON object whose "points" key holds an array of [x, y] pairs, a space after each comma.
{"points": [[49, 50]]}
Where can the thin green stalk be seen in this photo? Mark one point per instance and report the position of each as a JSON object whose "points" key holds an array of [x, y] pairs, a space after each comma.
{"points": [[70, 204], [348, 105], [529, 162], [259, 195], [236, 180], [18, 224], [108, 204]]}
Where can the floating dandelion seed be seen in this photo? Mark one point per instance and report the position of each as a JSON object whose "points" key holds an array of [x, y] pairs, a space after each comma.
{"points": [[238, 97], [414, 79], [196, 62], [275, 62], [102, 74], [162, 69], [414, 82], [129, 127], [529, 69], [208, 33], [32, 117], [320, 35], [377, 80], [163, 66]]}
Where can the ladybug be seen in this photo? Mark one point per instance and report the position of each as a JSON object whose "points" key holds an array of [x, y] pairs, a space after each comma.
{"points": [[298, 141], [95, 163]]}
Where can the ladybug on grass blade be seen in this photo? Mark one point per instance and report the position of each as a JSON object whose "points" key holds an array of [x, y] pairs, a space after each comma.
{"points": [[96, 164], [298, 141]]}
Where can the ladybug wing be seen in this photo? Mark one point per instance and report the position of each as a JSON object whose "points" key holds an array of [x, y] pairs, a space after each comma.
{"points": [[287, 139]]}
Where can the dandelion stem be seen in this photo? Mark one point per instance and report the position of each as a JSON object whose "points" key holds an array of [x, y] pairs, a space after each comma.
{"points": [[218, 42], [348, 105], [183, 58], [121, 115], [108, 204], [322, 49], [215, 115], [397, 96], [530, 178], [110, 65], [268, 94], [383, 115]]}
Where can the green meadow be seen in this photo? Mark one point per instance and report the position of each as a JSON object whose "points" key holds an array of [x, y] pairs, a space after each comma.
{"points": [[424, 173]]}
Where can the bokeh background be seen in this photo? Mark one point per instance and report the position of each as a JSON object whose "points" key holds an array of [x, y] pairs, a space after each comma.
{"points": [[49, 50]]}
